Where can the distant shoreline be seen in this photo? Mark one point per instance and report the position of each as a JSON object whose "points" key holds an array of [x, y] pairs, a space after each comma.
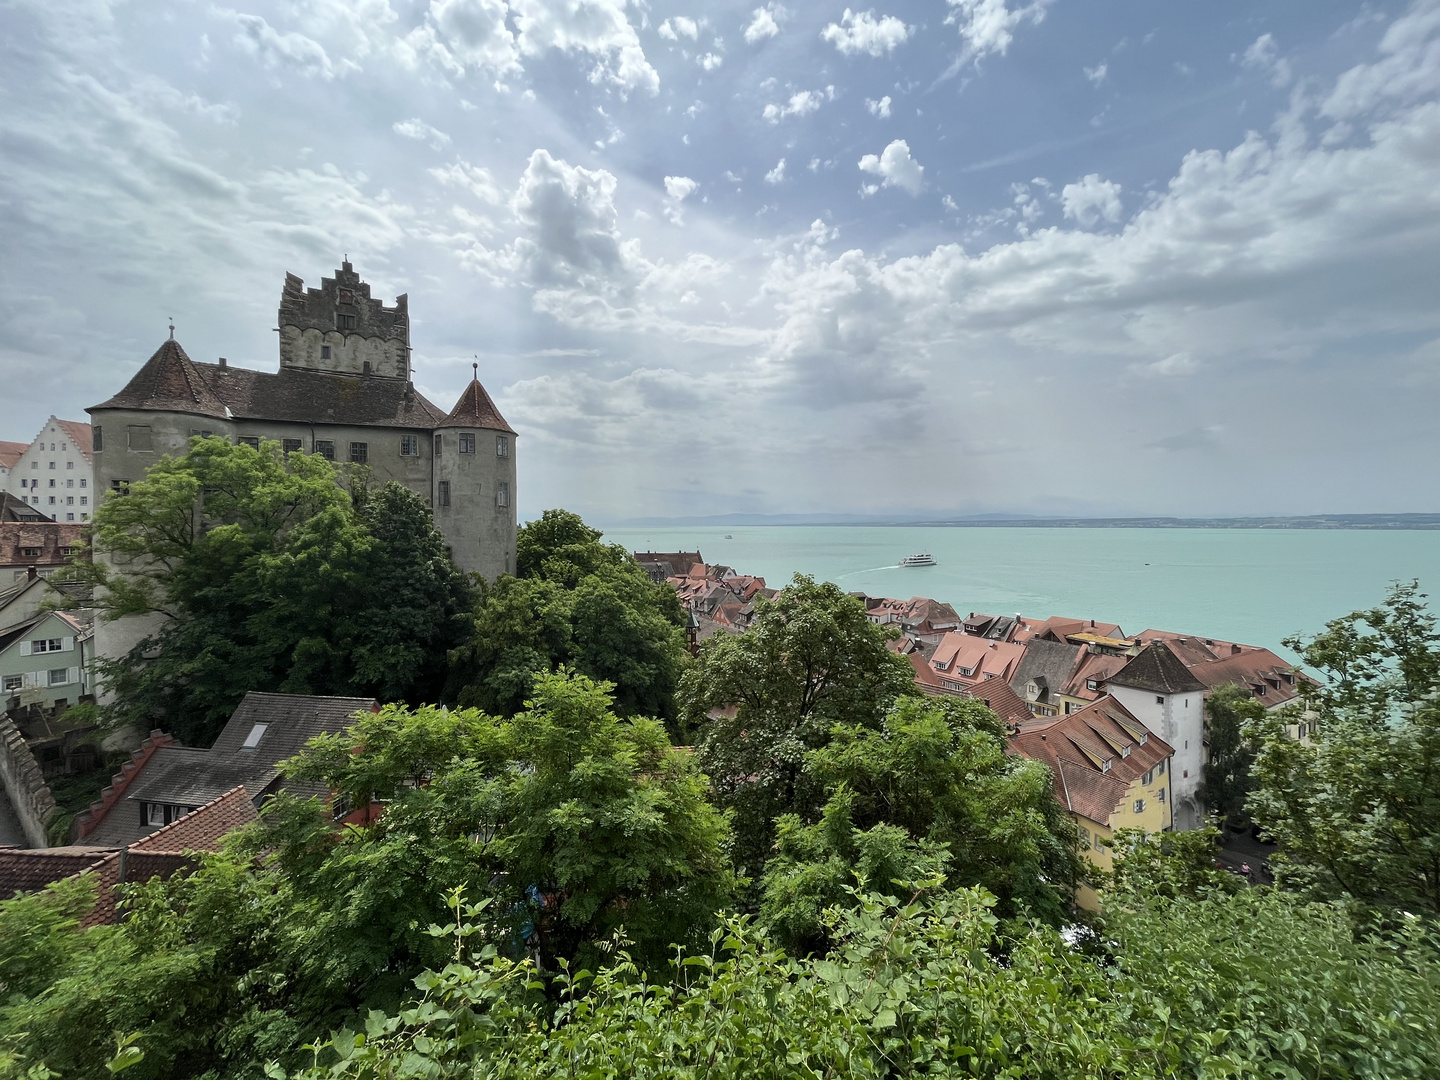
{"points": [[1372, 522]]}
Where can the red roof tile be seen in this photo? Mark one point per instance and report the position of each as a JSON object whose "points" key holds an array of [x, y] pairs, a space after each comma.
{"points": [[10, 452], [475, 409], [81, 435]]}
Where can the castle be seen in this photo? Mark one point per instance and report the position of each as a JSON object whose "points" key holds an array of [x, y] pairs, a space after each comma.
{"points": [[343, 391]]}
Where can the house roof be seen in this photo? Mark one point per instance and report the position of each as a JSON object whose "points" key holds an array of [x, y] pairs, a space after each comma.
{"points": [[958, 652], [24, 870], [1094, 754], [1049, 663], [14, 508], [202, 829], [81, 435], [10, 452], [475, 409], [12, 634], [171, 381], [1156, 669], [1002, 701]]}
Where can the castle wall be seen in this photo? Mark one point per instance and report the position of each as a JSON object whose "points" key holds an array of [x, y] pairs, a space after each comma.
{"points": [[479, 530]]}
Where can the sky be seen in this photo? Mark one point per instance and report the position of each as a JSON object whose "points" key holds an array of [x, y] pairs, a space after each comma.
{"points": [[959, 256]]}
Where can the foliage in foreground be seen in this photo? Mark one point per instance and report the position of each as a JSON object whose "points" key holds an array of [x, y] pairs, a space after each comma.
{"points": [[1258, 984]]}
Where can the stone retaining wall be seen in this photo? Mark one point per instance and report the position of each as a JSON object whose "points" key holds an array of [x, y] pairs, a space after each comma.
{"points": [[24, 783]]}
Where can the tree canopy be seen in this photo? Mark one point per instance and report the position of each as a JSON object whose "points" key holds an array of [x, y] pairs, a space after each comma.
{"points": [[270, 577], [575, 602]]}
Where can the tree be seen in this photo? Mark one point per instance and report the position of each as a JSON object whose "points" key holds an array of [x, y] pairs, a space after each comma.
{"points": [[932, 790], [758, 701], [1230, 754], [1376, 661], [269, 577], [578, 603]]}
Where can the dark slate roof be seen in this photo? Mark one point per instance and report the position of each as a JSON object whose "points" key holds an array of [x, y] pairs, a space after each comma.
{"points": [[1049, 662], [170, 381], [1157, 669], [13, 508], [292, 719], [475, 409]]}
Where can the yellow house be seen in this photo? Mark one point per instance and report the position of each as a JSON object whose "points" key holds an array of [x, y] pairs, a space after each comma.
{"points": [[1111, 772]]}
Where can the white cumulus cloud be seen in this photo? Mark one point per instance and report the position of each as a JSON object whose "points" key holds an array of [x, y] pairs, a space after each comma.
{"points": [[1264, 55], [1090, 199], [801, 103], [862, 32], [896, 168], [988, 26], [420, 131], [283, 50], [1097, 74], [764, 23], [677, 27], [879, 108], [777, 174]]}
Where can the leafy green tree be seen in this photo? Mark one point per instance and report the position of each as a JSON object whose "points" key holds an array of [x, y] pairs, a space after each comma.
{"points": [[1356, 812], [578, 603], [1229, 753], [932, 789], [759, 701], [1375, 662], [269, 577], [1169, 865]]}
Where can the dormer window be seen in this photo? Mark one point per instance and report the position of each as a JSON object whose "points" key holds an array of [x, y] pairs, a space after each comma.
{"points": [[1105, 765], [1092, 684]]}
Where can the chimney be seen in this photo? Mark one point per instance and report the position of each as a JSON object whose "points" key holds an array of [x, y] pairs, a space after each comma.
{"points": [[1234, 649], [224, 363], [30, 572]]}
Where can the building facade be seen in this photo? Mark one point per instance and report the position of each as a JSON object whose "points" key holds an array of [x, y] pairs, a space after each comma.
{"points": [[344, 390], [53, 473]]}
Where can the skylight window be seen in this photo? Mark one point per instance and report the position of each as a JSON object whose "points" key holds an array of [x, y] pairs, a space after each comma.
{"points": [[253, 739]]}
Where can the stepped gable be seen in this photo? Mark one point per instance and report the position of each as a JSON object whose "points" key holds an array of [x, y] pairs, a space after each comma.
{"points": [[317, 397], [475, 409], [169, 381], [1156, 669], [81, 435]]}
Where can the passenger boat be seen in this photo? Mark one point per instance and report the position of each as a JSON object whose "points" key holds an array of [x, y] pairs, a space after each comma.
{"points": [[918, 560]]}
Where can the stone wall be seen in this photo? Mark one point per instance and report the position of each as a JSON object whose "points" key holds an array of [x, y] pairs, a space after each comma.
{"points": [[25, 785]]}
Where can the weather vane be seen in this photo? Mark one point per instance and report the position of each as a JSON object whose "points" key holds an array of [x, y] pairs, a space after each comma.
{"points": [[475, 367], [172, 327]]}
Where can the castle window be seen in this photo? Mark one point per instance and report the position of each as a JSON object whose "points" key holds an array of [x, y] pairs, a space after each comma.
{"points": [[70, 482], [290, 446], [409, 446], [70, 464], [437, 445], [52, 465], [444, 498], [367, 367], [69, 500], [194, 431], [1159, 699], [359, 451], [52, 500], [141, 438], [324, 352], [119, 487], [252, 441], [52, 481], [82, 481], [97, 441], [502, 446], [345, 322], [325, 448], [502, 494], [84, 500], [467, 442]]}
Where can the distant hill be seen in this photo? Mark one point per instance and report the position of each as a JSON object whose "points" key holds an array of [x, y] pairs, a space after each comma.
{"points": [[1018, 521]]}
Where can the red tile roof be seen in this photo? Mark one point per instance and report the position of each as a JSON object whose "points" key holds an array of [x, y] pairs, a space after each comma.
{"points": [[81, 435], [25, 870], [475, 409], [201, 830], [1094, 755], [10, 452], [1273, 680]]}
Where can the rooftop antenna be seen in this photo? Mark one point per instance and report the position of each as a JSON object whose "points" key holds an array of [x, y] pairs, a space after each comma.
{"points": [[172, 327]]}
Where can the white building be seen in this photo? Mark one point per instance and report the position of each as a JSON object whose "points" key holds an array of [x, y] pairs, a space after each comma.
{"points": [[56, 472], [1162, 694]]}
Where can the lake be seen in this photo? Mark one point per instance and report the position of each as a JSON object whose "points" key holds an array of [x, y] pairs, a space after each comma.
{"points": [[1249, 585]]}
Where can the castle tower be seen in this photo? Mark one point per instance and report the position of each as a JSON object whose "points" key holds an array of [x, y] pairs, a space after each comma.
{"points": [[474, 497], [338, 329]]}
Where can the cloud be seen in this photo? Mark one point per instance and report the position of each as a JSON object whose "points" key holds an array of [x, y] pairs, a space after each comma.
{"points": [[879, 108], [461, 34], [777, 174], [1408, 71], [988, 26], [1176, 364], [764, 23], [801, 103], [863, 33], [710, 61], [677, 27], [417, 129], [1090, 199], [1097, 74], [289, 50], [677, 190], [896, 168], [478, 181], [1264, 55]]}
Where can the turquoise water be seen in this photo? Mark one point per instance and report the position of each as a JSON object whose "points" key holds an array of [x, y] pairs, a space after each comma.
{"points": [[1249, 585]]}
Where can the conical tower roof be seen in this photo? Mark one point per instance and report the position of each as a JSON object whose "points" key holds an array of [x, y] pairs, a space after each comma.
{"points": [[475, 409], [171, 381], [1157, 669]]}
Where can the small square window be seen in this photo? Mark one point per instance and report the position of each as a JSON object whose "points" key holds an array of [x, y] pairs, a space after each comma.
{"points": [[467, 442], [252, 441], [82, 482], [141, 438], [325, 448], [84, 500], [52, 481], [52, 500], [52, 465], [290, 446], [1139, 806], [14, 682], [155, 813], [324, 352], [444, 494], [409, 446], [502, 446], [69, 517], [1159, 699], [70, 482], [69, 500], [59, 676], [359, 451], [70, 464]]}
